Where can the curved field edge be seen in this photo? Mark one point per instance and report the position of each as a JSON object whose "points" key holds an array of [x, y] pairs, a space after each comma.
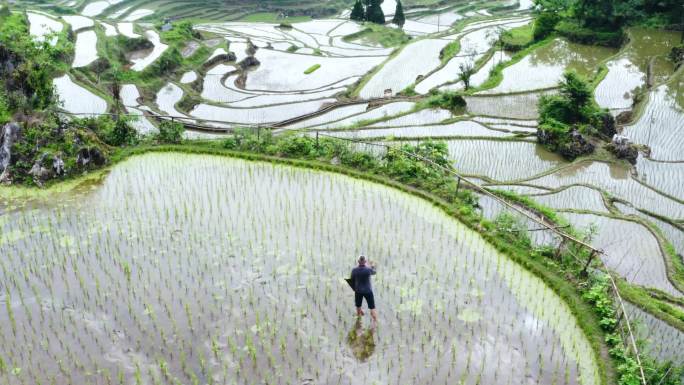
{"points": [[657, 303], [674, 264], [548, 272]]}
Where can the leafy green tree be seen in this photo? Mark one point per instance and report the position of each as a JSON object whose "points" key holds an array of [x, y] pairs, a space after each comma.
{"points": [[597, 14], [366, 9], [170, 132], [4, 110], [167, 62], [399, 18], [544, 24], [554, 6], [4, 10], [357, 13], [374, 12], [577, 92]]}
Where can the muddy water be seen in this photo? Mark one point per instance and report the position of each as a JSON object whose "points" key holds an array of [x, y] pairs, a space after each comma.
{"points": [[123, 281], [630, 69], [617, 180]]}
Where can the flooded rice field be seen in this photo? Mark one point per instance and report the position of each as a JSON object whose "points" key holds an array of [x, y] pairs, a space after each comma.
{"points": [[544, 67], [159, 48], [501, 160], [574, 197], [631, 250], [474, 45], [268, 259], [660, 124], [76, 99], [514, 106], [86, 49], [101, 283], [617, 180], [415, 60], [460, 129], [663, 341], [630, 69], [41, 25]]}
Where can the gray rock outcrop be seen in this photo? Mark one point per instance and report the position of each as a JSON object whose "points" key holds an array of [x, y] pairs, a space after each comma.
{"points": [[8, 136]]}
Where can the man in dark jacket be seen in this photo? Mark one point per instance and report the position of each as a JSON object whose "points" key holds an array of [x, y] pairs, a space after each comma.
{"points": [[361, 276]]}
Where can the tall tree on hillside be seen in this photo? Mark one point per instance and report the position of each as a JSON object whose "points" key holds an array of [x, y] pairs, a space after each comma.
{"points": [[599, 14], [375, 13], [399, 18], [357, 13], [366, 9]]}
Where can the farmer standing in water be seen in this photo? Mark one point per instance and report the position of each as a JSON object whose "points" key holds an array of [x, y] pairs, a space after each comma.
{"points": [[361, 277]]}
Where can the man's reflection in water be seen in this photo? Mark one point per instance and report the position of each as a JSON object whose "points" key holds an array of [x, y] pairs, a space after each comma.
{"points": [[361, 341]]}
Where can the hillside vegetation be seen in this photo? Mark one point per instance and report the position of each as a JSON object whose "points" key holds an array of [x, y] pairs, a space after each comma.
{"points": [[603, 21]]}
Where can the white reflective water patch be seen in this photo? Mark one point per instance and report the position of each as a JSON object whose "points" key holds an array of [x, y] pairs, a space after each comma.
{"points": [[126, 29], [110, 30], [85, 49], [94, 8], [76, 99], [78, 22], [138, 14], [41, 25], [159, 48]]}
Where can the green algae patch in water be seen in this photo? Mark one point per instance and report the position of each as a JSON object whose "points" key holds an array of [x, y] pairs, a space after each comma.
{"points": [[188, 266]]}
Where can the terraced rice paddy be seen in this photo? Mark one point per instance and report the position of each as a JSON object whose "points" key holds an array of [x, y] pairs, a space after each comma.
{"points": [[474, 45], [280, 256], [629, 70], [77, 99], [460, 129], [167, 98], [42, 25], [514, 106], [501, 161], [664, 341], [544, 67], [660, 124], [157, 51], [645, 265], [487, 320], [86, 49], [400, 72], [574, 198]]}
